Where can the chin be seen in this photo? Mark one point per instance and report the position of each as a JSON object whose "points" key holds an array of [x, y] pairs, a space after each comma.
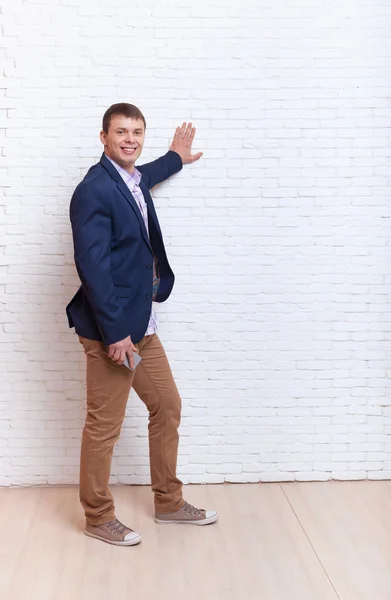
{"points": [[126, 161]]}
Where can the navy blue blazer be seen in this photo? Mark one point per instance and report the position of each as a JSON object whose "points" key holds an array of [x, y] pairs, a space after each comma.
{"points": [[114, 255]]}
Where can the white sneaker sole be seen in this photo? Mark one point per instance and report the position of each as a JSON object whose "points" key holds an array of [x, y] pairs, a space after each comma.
{"points": [[208, 521], [133, 542]]}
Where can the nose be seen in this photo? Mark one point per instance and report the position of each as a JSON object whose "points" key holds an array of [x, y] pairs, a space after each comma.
{"points": [[129, 138]]}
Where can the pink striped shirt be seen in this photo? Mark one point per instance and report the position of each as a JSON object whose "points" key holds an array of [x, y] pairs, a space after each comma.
{"points": [[132, 181]]}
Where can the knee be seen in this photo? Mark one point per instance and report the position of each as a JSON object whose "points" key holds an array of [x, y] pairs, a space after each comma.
{"points": [[169, 407], [175, 412], [103, 431]]}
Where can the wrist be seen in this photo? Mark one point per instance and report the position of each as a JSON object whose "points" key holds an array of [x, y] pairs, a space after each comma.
{"points": [[178, 154]]}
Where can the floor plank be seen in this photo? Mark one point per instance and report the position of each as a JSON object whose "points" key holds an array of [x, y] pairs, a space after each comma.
{"points": [[258, 549], [349, 527]]}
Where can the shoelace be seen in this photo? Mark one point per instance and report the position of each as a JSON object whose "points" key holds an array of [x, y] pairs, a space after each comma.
{"points": [[192, 510], [116, 527]]}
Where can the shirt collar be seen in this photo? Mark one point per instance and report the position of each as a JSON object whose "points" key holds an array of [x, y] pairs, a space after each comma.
{"points": [[131, 179]]}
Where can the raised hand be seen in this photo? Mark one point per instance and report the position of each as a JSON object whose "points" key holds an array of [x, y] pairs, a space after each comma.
{"points": [[182, 142]]}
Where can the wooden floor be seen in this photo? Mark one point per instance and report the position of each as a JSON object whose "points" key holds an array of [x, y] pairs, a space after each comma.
{"points": [[299, 541]]}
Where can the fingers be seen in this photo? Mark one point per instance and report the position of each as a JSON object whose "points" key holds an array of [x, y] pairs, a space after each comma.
{"points": [[130, 359], [122, 349], [183, 140], [189, 135], [122, 358], [186, 132], [119, 356]]}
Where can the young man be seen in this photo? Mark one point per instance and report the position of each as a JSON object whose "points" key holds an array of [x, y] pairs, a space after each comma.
{"points": [[122, 264]]}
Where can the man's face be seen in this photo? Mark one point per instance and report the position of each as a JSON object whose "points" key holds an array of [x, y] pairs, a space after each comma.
{"points": [[124, 141]]}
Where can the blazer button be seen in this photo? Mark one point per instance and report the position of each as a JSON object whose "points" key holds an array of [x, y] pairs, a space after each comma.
{"points": [[148, 296], [149, 266]]}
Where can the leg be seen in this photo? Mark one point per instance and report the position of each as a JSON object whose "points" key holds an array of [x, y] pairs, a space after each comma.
{"points": [[156, 387], [108, 387]]}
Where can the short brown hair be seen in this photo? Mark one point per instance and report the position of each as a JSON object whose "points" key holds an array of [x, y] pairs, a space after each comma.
{"points": [[122, 109]]}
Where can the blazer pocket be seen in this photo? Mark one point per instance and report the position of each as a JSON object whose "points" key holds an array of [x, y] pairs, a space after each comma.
{"points": [[123, 291]]}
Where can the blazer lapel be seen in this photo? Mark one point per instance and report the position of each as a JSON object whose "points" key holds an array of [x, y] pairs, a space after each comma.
{"points": [[152, 217], [123, 188]]}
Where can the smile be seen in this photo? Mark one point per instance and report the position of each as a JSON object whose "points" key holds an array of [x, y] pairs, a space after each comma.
{"points": [[129, 150]]}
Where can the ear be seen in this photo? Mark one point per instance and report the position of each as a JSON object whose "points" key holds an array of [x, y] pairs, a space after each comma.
{"points": [[103, 138]]}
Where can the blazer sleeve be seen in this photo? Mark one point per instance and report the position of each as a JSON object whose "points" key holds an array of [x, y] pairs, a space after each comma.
{"points": [[161, 169], [91, 229]]}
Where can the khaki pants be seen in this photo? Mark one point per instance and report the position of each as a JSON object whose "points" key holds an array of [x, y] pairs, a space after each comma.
{"points": [[108, 387]]}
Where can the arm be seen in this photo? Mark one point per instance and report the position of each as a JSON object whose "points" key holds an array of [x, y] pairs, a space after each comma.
{"points": [[161, 169], [91, 228], [178, 155]]}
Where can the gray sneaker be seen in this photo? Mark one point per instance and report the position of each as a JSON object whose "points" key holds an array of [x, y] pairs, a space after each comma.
{"points": [[188, 515], [113, 532]]}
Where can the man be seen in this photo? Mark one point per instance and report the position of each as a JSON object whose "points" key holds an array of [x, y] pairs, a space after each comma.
{"points": [[122, 264]]}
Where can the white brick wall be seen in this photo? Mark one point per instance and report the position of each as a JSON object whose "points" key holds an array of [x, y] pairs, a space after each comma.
{"points": [[279, 327]]}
